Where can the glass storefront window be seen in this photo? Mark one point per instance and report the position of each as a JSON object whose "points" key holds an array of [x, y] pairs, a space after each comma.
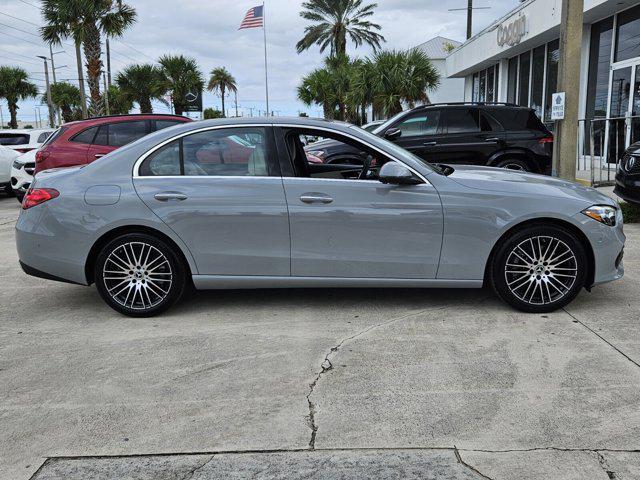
{"points": [[483, 86], [512, 80], [525, 66], [537, 79], [628, 34], [490, 85], [475, 87], [553, 55]]}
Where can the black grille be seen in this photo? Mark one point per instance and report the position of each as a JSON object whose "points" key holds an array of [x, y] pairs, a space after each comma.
{"points": [[30, 168], [631, 163]]}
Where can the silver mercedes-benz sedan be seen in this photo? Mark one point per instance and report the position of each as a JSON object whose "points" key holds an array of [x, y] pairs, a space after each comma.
{"points": [[237, 203]]}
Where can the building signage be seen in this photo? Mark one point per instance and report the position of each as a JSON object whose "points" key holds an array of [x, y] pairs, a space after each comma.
{"points": [[557, 106], [511, 34]]}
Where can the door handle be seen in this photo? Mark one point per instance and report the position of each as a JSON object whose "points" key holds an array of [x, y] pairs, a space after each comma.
{"points": [[430, 144], [166, 196], [99, 155], [316, 198], [492, 139]]}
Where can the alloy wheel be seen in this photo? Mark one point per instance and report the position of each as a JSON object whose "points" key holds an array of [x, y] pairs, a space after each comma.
{"points": [[541, 270], [137, 275]]}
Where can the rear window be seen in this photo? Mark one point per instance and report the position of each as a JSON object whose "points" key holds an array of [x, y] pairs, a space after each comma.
{"points": [[43, 137], [14, 139], [53, 136], [517, 119]]}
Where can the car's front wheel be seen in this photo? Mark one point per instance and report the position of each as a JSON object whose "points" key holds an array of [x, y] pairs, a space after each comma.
{"points": [[539, 269], [139, 275]]}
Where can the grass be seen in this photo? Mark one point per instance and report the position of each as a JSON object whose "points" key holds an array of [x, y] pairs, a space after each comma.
{"points": [[631, 213]]}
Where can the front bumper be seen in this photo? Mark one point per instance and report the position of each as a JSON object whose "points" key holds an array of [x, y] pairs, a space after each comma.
{"points": [[607, 244], [628, 188], [20, 179]]}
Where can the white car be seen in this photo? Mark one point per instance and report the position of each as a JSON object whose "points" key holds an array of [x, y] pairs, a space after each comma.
{"points": [[22, 170], [7, 157], [24, 140]]}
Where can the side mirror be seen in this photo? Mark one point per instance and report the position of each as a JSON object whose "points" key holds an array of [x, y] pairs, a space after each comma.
{"points": [[397, 174], [393, 134]]}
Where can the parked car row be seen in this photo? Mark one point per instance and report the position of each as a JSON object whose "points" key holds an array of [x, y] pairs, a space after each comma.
{"points": [[14, 144]]}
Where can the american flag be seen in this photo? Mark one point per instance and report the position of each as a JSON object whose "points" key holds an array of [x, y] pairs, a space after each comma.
{"points": [[253, 18]]}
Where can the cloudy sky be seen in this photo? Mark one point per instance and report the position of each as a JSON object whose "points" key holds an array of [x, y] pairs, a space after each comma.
{"points": [[208, 31]]}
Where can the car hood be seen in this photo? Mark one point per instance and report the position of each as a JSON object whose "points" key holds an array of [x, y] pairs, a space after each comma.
{"points": [[501, 180]]}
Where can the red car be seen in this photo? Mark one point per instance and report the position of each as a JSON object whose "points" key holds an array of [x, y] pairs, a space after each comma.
{"points": [[77, 143]]}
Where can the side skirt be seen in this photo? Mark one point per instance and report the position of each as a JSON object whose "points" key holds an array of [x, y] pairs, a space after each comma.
{"points": [[217, 282]]}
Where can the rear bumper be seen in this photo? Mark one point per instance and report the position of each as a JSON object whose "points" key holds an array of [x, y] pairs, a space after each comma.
{"points": [[34, 272]]}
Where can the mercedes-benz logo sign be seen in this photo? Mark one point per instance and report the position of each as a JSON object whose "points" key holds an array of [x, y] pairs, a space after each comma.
{"points": [[191, 97], [631, 162]]}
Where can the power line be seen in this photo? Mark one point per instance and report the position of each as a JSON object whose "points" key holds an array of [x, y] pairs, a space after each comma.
{"points": [[21, 39], [136, 50], [20, 30], [21, 19], [30, 4]]}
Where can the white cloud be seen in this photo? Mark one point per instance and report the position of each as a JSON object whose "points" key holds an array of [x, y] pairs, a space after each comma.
{"points": [[208, 31]]}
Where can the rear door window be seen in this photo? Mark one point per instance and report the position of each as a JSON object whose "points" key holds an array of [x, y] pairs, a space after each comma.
{"points": [[43, 137], [14, 139], [122, 133], [86, 136], [463, 120]]}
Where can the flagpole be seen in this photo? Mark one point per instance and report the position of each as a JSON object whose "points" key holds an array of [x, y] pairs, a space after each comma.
{"points": [[266, 75]]}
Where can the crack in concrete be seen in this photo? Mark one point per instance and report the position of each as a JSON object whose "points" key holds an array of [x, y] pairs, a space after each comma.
{"points": [[327, 366], [601, 337], [603, 464], [468, 466], [193, 471]]}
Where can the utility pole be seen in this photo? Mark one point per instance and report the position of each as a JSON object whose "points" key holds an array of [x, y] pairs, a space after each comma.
{"points": [[53, 72], [106, 95], [83, 94], [108, 63], [52, 121], [236, 101], [470, 8], [565, 145]]}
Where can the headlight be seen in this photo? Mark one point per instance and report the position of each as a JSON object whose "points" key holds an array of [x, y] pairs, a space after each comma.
{"points": [[602, 213], [17, 165]]}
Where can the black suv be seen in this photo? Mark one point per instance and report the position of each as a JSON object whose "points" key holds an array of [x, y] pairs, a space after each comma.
{"points": [[493, 134], [628, 175]]}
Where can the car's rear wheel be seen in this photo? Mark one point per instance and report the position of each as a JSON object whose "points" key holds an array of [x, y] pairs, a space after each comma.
{"points": [[539, 269], [514, 164], [139, 275]]}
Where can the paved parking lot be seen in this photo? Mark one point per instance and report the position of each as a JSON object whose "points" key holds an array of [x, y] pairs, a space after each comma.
{"points": [[317, 383]]}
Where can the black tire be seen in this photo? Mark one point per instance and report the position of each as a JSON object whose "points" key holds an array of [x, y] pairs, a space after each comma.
{"points": [[514, 273], [19, 196], [139, 265], [515, 164]]}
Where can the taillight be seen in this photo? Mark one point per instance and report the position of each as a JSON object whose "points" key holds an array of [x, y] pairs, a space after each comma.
{"points": [[42, 155], [23, 150], [36, 196], [544, 140]]}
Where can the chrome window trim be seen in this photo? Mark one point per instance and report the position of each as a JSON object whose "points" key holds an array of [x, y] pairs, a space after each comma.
{"points": [[143, 157]]}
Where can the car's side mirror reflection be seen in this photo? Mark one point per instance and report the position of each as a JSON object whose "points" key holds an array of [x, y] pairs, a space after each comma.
{"points": [[393, 133], [397, 174]]}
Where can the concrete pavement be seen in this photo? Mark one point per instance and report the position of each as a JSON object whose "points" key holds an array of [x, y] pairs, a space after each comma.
{"points": [[317, 383]]}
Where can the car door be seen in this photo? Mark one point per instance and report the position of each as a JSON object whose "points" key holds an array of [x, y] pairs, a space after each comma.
{"points": [[354, 228], [420, 133], [465, 141], [231, 214]]}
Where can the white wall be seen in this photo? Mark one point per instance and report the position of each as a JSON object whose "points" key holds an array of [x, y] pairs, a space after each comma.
{"points": [[450, 89]]}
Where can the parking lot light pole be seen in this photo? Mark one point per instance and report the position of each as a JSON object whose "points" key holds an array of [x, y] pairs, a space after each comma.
{"points": [[565, 145]]}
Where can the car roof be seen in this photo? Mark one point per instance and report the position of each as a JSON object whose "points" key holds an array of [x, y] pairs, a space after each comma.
{"points": [[141, 116], [22, 131]]}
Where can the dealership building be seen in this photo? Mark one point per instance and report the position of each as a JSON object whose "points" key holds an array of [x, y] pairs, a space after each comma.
{"points": [[515, 60]]}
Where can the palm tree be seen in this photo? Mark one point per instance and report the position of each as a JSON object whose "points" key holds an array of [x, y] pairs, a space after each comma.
{"points": [[67, 98], [180, 76], [119, 102], [85, 21], [15, 86], [337, 20], [142, 84], [391, 78], [221, 81], [330, 87]]}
